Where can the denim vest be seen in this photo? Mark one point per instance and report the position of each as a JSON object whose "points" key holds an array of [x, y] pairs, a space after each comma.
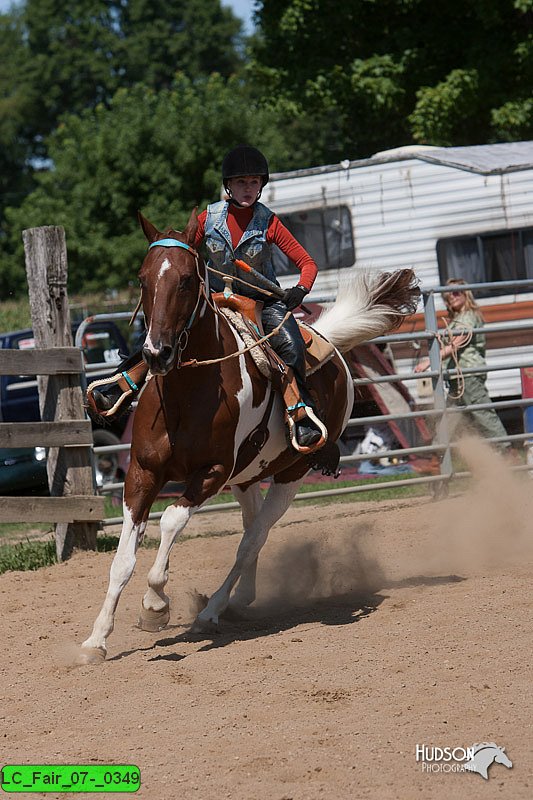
{"points": [[252, 248]]}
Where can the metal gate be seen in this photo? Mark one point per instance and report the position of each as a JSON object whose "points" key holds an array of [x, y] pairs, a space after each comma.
{"points": [[442, 445]]}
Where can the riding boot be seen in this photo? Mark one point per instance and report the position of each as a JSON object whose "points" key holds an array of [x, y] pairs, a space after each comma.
{"points": [[306, 431], [111, 397]]}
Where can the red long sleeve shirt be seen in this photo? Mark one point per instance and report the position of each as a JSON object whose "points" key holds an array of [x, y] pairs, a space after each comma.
{"points": [[238, 220]]}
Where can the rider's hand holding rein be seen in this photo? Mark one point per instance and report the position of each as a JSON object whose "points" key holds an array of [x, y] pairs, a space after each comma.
{"points": [[294, 296]]}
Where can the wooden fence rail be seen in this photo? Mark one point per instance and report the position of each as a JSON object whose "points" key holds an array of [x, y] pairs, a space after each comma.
{"points": [[73, 437], [47, 361], [51, 509]]}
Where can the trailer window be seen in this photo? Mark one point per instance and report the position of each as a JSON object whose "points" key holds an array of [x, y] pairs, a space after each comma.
{"points": [[488, 258], [325, 233]]}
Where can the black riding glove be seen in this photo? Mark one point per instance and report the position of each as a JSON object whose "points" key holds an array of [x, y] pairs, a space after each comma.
{"points": [[294, 296]]}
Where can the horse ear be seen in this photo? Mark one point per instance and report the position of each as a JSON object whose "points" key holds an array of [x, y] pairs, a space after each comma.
{"points": [[149, 230], [192, 226]]}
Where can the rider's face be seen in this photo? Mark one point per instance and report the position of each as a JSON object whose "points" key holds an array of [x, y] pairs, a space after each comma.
{"points": [[245, 189]]}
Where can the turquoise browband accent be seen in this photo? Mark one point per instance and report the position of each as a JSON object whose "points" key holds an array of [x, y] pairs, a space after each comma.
{"points": [[175, 243], [170, 243]]}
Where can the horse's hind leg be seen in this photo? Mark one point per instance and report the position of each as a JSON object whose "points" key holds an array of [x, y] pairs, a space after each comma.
{"points": [[251, 501], [276, 503]]}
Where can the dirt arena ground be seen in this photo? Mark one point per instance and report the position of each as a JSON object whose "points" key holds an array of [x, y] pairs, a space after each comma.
{"points": [[378, 627]]}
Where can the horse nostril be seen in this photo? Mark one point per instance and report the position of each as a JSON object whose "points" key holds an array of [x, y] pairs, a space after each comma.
{"points": [[165, 354], [147, 355], [158, 360]]}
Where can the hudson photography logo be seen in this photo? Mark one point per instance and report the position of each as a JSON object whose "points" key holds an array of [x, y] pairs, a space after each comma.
{"points": [[477, 758]]}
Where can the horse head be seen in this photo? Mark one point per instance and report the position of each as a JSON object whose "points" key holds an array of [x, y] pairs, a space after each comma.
{"points": [[170, 291], [485, 753], [502, 758]]}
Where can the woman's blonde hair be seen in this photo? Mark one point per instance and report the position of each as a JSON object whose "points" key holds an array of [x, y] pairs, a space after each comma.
{"points": [[470, 302]]}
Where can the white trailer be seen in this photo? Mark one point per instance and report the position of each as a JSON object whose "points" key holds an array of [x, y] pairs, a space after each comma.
{"points": [[446, 212]]}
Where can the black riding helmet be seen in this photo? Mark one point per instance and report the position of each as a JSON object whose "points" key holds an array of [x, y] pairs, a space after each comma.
{"points": [[244, 160]]}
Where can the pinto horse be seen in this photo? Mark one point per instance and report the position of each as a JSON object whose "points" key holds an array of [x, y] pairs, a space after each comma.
{"points": [[194, 421]]}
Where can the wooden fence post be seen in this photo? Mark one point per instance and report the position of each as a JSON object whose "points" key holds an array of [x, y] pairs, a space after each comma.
{"points": [[60, 396]]}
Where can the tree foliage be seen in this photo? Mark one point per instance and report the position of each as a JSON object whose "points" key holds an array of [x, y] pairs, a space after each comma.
{"points": [[392, 72], [65, 56], [159, 152], [107, 106]]}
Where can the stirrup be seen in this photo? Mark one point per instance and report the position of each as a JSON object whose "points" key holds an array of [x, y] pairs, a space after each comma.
{"points": [[303, 411], [125, 384]]}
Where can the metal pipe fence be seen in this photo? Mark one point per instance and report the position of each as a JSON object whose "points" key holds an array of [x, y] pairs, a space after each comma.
{"points": [[442, 444]]}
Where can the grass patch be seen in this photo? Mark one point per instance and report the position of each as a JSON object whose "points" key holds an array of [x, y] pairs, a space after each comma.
{"points": [[390, 493], [26, 530], [27, 556]]}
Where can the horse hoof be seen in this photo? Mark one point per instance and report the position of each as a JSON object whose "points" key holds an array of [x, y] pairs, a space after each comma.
{"points": [[90, 655], [153, 621]]}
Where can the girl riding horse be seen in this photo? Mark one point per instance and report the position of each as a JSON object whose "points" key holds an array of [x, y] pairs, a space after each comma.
{"points": [[242, 228], [197, 424]]}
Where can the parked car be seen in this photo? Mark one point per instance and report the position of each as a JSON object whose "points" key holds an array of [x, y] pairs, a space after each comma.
{"points": [[24, 469]]}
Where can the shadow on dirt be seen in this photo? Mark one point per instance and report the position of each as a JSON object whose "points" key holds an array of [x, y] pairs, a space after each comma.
{"points": [[344, 609]]}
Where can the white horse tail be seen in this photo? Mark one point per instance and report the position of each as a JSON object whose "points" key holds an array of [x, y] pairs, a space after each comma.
{"points": [[369, 304]]}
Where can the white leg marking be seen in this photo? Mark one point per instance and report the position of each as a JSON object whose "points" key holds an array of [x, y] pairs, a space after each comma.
{"points": [[251, 503], [277, 501], [120, 573], [173, 521]]}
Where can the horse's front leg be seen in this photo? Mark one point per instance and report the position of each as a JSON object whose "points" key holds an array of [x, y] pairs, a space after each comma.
{"points": [[155, 606], [94, 649], [276, 503]]}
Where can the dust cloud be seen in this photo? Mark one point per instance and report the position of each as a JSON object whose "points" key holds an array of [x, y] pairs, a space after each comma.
{"points": [[486, 523], [491, 523], [304, 571]]}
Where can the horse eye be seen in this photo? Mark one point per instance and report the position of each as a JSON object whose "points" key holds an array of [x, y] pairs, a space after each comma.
{"points": [[185, 282]]}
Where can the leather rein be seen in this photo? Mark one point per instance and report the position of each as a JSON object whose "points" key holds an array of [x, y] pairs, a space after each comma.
{"points": [[202, 291]]}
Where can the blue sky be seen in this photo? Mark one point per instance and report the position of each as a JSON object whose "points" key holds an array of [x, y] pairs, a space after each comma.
{"points": [[241, 8]]}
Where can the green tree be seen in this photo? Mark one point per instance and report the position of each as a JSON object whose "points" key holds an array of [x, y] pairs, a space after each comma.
{"points": [[67, 56], [81, 51], [389, 72], [159, 152], [16, 102]]}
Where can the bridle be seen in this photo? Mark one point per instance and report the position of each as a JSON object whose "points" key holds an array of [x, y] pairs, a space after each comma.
{"points": [[203, 291]]}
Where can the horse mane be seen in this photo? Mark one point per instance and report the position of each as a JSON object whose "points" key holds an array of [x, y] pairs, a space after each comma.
{"points": [[482, 745]]}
